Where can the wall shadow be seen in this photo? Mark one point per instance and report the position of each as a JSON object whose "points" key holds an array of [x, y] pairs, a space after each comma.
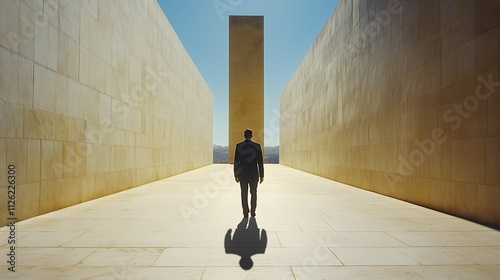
{"points": [[246, 241]]}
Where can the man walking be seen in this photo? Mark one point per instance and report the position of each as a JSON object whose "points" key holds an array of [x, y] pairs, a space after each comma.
{"points": [[248, 168]]}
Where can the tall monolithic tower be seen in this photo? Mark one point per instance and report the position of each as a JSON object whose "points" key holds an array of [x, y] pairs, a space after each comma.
{"points": [[246, 79]]}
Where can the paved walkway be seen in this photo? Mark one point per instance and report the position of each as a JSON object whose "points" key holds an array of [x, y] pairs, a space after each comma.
{"points": [[307, 227]]}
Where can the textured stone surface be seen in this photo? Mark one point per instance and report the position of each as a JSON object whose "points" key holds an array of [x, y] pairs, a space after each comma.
{"points": [[96, 97], [401, 97]]}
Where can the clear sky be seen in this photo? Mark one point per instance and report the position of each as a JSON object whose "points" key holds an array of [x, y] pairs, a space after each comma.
{"points": [[290, 27]]}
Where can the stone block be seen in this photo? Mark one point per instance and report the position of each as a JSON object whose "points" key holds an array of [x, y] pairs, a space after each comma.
{"points": [[69, 18], [51, 162], [9, 67], [27, 200], [458, 63], [12, 120], [485, 16], [71, 191], [486, 47], [83, 102], [51, 12], [67, 56], [17, 155], [104, 109], [135, 73], [388, 158], [50, 196], [487, 205], [494, 114], [50, 90], [441, 196], [25, 82], [455, 17], [493, 161], [35, 5], [74, 159], [88, 191], [33, 163], [83, 70], [32, 124], [46, 41], [468, 160], [96, 73], [9, 25], [3, 161], [28, 29], [465, 197], [75, 129]]}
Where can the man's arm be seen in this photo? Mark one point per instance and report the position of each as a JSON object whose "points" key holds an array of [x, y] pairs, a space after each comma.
{"points": [[237, 167], [261, 164]]}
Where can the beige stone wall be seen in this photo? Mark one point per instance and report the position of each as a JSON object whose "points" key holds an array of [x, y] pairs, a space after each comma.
{"points": [[95, 97], [246, 79], [402, 98]]}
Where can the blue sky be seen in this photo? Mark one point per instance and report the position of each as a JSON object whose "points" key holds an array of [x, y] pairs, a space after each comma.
{"points": [[290, 27]]}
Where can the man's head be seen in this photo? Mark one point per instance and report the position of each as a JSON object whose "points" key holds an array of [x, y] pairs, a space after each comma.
{"points": [[248, 134]]}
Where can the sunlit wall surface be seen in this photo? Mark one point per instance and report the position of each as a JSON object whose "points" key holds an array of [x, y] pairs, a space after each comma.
{"points": [[96, 97], [402, 98], [246, 79]]}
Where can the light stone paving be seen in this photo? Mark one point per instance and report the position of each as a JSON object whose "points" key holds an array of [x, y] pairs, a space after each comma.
{"points": [[316, 229]]}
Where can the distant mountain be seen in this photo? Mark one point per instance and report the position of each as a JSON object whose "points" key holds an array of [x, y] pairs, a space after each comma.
{"points": [[271, 154], [220, 154]]}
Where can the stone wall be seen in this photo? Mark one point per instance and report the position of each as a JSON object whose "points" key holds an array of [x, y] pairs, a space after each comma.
{"points": [[402, 98], [97, 96]]}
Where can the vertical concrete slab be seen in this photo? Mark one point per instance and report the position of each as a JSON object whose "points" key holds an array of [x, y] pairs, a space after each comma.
{"points": [[246, 79]]}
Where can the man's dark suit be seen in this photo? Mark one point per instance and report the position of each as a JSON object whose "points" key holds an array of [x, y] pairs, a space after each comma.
{"points": [[248, 167]]}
